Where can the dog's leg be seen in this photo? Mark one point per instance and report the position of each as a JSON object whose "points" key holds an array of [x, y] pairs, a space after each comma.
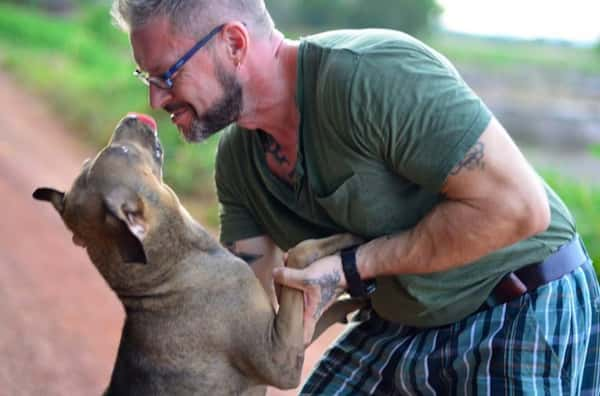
{"points": [[300, 256], [288, 331]]}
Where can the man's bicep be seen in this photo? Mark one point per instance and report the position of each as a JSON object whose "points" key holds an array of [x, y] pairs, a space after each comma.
{"points": [[495, 177], [262, 255], [492, 165]]}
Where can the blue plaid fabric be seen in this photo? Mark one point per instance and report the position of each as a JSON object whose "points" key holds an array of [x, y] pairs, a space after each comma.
{"points": [[546, 342]]}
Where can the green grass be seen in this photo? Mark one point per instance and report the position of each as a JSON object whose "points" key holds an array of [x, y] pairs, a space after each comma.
{"points": [[83, 67], [503, 55], [584, 203]]}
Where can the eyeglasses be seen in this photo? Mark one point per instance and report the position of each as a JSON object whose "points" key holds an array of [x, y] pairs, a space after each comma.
{"points": [[165, 81]]}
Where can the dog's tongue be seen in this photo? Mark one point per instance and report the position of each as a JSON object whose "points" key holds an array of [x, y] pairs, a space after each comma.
{"points": [[146, 119]]}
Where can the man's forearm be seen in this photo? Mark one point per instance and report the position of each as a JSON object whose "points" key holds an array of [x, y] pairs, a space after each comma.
{"points": [[493, 199], [453, 234]]}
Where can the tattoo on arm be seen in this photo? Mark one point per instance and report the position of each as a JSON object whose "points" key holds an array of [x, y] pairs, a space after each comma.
{"points": [[473, 159], [249, 258], [328, 284]]}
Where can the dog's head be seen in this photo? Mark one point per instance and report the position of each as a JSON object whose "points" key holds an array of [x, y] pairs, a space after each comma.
{"points": [[116, 205]]}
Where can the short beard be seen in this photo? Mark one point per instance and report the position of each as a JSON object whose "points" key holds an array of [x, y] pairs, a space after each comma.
{"points": [[223, 113]]}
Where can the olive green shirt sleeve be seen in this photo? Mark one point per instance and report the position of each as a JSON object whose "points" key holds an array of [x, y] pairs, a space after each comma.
{"points": [[236, 221], [415, 111]]}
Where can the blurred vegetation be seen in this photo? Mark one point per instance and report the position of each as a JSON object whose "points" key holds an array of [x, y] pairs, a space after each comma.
{"points": [[416, 17], [498, 54], [48, 5], [82, 65], [584, 202]]}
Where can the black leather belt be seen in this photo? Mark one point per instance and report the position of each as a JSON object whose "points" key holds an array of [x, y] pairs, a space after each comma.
{"points": [[567, 258]]}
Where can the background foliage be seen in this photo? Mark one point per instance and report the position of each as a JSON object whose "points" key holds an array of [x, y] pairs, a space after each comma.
{"points": [[416, 17], [83, 67]]}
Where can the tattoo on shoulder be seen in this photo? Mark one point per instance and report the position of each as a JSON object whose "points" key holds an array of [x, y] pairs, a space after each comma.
{"points": [[473, 160], [249, 258], [328, 284]]}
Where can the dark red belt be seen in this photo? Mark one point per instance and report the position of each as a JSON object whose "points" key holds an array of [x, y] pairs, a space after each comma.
{"points": [[567, 258]]}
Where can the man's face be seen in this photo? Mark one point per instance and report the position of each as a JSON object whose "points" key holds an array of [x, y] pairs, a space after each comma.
{"points": [[206, 96]]}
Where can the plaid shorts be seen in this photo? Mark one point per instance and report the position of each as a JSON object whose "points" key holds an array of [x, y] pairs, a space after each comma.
{"points": [[547, 342]]}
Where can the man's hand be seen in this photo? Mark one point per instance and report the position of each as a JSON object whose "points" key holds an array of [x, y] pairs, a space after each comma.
{"points": [[322, 282]]}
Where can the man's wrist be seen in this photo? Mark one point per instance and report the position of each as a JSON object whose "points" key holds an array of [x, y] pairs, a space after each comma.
{"points": [[356, 286]]}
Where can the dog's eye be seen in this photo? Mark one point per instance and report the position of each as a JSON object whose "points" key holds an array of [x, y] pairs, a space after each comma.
{"points": [[118, 149], [158, 152]]}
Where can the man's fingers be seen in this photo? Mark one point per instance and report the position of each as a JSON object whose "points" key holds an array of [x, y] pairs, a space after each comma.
{"points": [[313, 301], [289, 277]]}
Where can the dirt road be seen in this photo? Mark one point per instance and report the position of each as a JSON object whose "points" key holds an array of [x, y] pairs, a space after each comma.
{"points": [[59, 321]]}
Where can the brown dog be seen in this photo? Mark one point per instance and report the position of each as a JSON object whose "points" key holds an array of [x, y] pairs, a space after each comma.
{"points": [[197, 319]]}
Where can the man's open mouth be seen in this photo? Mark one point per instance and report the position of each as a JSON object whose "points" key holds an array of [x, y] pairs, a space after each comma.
{"points": [[177, 114]]}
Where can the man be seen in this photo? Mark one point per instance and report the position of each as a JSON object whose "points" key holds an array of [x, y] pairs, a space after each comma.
{"points": [[477, 279]]}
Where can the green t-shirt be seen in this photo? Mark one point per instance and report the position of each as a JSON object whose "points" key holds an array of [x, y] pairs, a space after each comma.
{"points": [[384, 119]]}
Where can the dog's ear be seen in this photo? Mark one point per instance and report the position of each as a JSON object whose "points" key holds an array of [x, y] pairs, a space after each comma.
{"points": [[129, 208], [55, 197], [126, 205]]}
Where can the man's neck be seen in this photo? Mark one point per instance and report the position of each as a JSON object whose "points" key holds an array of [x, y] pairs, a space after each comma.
{"points": [[270, 90]]}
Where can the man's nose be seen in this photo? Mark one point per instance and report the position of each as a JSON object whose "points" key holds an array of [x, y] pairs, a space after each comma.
{"points": [[158, 96]]}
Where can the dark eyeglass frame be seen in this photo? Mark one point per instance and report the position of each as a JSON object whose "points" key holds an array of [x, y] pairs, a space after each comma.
{"points": [[165, 81]]}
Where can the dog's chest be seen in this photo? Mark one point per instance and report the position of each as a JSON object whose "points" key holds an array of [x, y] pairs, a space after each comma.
{"points": [[180, 357]]}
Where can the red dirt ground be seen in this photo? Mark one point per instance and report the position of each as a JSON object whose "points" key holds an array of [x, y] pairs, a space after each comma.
{"points": [[59, 321]]}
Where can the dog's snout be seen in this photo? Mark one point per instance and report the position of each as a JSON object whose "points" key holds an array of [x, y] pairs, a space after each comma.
{"points": [[137, 127], [137, 134], [145, 119]]}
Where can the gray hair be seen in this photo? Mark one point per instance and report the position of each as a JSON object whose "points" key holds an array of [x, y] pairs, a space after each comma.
{"points": [[193, 17]]}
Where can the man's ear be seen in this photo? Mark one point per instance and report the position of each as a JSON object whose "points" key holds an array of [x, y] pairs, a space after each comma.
{"points": [[236, 38], [128, 207], [55, 197]]}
